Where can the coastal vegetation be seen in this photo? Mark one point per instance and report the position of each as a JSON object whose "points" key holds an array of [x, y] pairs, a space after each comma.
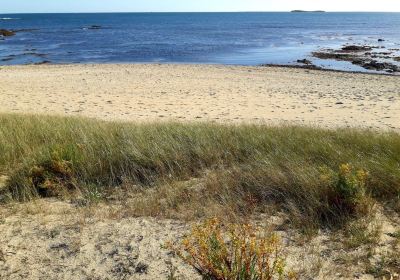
{"points": [[320, 177], [234, 251]]}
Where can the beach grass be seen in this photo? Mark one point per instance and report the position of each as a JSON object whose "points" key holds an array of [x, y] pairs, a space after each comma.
{"points": [[319, 176]]}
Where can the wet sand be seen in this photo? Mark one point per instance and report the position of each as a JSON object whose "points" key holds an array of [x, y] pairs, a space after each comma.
{"points": [[136, 92]]}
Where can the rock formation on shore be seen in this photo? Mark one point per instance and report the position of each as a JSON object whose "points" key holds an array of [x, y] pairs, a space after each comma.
{"points": [[6, 33], [364, 56]]}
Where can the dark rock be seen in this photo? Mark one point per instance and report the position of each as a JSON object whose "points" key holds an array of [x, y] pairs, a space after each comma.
{"points": [[42, 62], [361, 55], [354, 48], [376, 65], [304, 61], [339, 103], [6, 33], [94, 27], [333, 55], [384, 53], [381, 40], [8, 58], [358, 61]]}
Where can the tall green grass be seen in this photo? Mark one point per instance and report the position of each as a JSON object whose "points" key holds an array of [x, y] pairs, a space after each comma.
{"points": [[243, 166]]}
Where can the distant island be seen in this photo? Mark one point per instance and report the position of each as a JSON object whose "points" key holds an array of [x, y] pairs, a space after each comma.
{"points": [[302, 11]]}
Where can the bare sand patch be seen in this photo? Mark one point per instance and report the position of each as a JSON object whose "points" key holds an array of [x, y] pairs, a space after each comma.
{"points": [[49, 239]]}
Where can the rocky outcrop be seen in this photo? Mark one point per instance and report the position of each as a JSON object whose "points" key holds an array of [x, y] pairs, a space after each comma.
{"points": [[355, 48], [331, 54], [363, 56], [94, 27], [377, 66], [9, 33], [6, 33], [304, 61]]}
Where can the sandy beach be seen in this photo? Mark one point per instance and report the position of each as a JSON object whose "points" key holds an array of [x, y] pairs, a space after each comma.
{"points": [[136, 92], [110, 240], [189, 140]]}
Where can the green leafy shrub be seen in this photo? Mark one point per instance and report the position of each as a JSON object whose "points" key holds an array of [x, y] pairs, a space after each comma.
{"points": [[53, 177], [348, 193]]}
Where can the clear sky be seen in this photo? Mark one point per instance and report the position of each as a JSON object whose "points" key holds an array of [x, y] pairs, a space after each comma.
{"points": [[46, 6]]}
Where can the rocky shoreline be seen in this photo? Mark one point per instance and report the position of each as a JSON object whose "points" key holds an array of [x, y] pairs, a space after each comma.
{"points": [[31, 52], [367, 56]]}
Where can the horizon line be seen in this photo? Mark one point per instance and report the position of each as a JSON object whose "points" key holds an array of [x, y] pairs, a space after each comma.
{"points": [[196, 12]]}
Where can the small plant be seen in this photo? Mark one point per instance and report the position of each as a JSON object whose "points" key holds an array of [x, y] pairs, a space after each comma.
{"points": [[52, 177], [348, 194], [93, 194], [362, 232], [237, 252], [351, 184]]}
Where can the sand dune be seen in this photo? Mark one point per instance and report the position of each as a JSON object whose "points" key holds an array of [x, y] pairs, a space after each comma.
{"points": [[101, 242], [203, 93]]}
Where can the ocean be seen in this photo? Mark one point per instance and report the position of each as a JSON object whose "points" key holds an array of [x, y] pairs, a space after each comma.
{"points": [[212, 38]]}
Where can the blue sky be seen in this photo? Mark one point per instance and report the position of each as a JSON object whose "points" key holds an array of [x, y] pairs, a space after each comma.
{"points": [[45, 6]]}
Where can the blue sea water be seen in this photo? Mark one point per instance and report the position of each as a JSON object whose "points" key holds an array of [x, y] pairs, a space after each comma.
{"points": [[221, 38]]}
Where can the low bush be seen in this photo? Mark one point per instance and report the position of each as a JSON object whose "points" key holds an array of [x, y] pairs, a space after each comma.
{"points": [[234, 252]]}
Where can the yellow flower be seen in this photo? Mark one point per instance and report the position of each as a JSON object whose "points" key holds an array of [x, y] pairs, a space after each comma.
{"points": [[361, 175], [345, 169]]}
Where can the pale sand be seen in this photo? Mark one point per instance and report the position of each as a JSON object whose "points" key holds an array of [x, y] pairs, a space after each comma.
{"points": [[203, 93], [48, 239]]}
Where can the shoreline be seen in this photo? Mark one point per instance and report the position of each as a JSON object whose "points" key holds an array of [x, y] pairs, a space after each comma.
{"points": [[198, 92], [317, 68], [270, 65]]}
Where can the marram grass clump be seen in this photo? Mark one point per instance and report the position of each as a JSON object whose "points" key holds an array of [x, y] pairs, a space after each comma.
{"points": [[317, 175]]}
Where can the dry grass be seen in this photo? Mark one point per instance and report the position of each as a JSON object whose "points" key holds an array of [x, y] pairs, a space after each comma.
{"points": [[201, 169]]}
